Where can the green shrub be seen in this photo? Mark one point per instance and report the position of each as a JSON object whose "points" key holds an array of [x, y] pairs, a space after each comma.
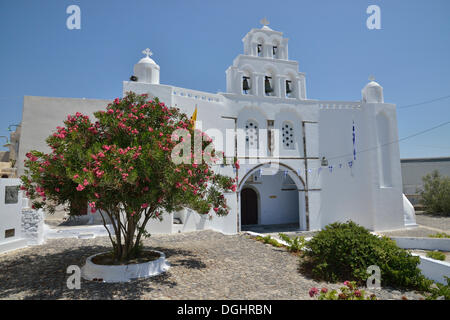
{"points": [[439, 290], [439, 235], [295, 244], [436, 255], [436, 193], [269, 240], [344, 251]]}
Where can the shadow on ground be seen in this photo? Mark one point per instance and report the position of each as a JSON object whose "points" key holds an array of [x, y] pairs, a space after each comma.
{"points": [[34, 276]]}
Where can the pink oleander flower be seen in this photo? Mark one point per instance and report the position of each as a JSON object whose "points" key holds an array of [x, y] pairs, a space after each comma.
{"points": [[76, 176], [144, 205], [85, 182], [313, 292], [216, 209], [80, 188]]}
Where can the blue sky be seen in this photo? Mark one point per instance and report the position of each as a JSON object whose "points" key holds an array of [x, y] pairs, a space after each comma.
{"points": [[195, 41]]}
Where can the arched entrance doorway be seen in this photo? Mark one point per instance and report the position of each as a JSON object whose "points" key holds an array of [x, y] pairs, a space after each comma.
{"points": [[281, 199], [249, 206]]}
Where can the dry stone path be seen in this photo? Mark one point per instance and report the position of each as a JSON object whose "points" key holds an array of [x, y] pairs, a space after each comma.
{"points": [[204, 265]]}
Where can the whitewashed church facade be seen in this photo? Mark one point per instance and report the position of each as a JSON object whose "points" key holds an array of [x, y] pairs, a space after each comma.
{"points": [[303, 162]]}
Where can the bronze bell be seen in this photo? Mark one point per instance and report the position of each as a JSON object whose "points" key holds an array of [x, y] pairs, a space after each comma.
{"points": [[245, 84], [267, 85], [288, 86]]}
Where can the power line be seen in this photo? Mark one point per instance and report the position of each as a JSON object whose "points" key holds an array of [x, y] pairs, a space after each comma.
{"points": [[422, 103], [399, 140]]}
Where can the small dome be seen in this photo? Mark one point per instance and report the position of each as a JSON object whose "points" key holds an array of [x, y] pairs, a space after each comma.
{"points": [[147, 60], [372, 92], [146, 70], [372, 84]]}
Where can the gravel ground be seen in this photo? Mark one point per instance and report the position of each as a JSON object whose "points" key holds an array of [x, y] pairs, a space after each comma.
{"points": [[204, 265], [428, 225], [433, 221]]}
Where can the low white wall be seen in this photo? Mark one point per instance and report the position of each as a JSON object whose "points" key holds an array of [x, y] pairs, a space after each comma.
{"points": [[434, 269], [155, 226], [441, 244], [10, 216]]}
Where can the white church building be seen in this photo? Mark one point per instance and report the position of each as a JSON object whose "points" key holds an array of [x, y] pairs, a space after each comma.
{"points": [[303, 162]]}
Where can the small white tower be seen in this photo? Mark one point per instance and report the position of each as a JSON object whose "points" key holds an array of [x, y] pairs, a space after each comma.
{"points": [[372, 92], [146, 70]]}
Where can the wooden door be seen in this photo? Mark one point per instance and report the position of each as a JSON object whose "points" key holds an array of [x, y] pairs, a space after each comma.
{"points": [[249, 207]]}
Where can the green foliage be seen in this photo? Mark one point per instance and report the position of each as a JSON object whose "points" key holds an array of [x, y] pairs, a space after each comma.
{"points": [[440, 235], [123, 165], [439, 290], [295, 244], [345, 251], [269, 240], [436, 255], [435, 195], [347, 292]]}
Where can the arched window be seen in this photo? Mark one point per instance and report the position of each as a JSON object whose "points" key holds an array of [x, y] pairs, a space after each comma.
{"points": [[251, 134], [287, 134]]}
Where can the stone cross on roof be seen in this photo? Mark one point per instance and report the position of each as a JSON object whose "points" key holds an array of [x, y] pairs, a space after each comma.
{"points": [[371, 78], [264, 22], [147, 52]]}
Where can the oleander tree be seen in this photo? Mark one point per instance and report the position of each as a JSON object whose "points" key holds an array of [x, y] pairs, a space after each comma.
{"points": [[137, 161]]}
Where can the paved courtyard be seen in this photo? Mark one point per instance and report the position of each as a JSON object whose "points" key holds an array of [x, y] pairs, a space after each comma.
{"points": [[427, 225], [204, 265]]}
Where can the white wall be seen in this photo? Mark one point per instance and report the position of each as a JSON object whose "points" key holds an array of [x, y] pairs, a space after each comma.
{"points": [[346, 192], [10, 218], [41, 116]]}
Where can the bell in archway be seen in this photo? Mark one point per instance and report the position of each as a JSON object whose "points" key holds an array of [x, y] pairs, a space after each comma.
{"points": [[288, 87], [245, 84], [267, 85]]}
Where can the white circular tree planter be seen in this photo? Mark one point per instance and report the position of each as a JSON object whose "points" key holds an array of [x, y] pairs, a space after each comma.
{"points": [[124, 273]]}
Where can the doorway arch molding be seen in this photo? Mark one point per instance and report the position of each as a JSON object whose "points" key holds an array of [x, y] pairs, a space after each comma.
{"points": [[301, 186]]}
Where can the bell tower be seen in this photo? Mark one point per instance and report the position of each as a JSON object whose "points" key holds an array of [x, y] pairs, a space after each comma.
{"points": [[264, 69]]}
